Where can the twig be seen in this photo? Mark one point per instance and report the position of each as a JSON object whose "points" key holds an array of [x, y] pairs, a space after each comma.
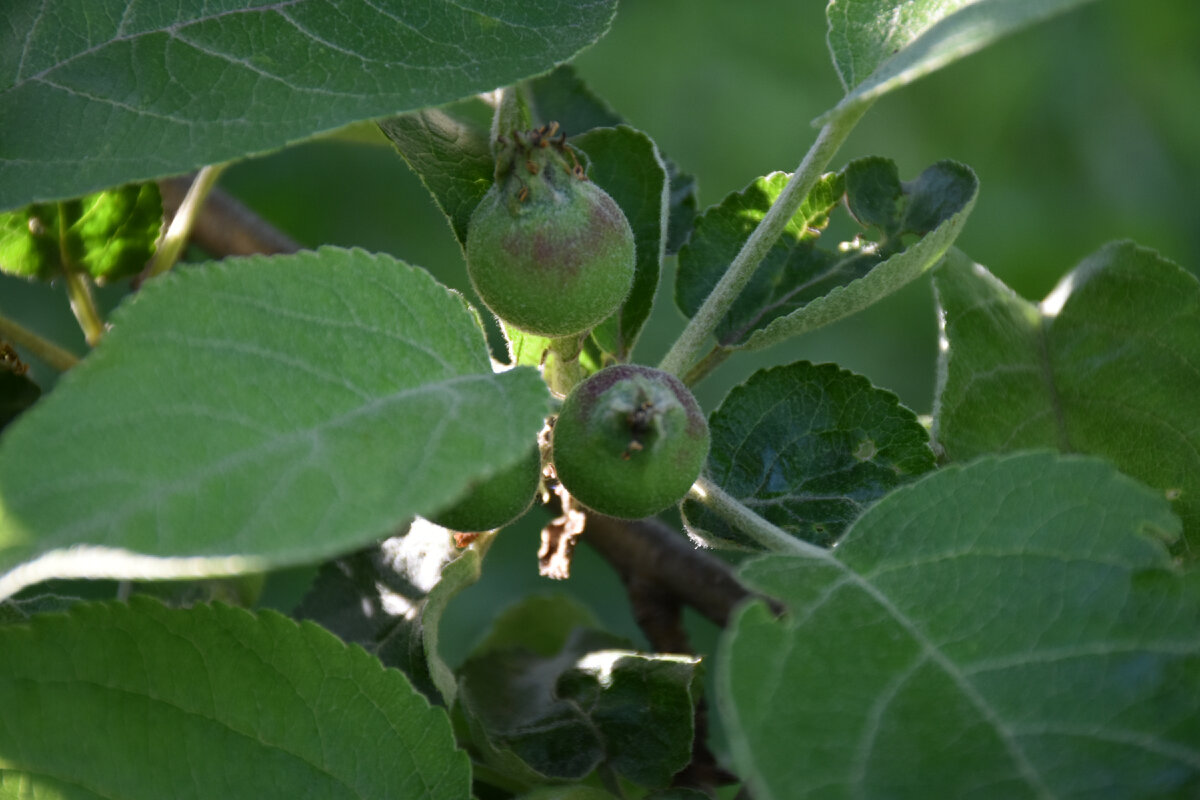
{"points": [[180, 229], [83, 305], [53, 355], [225, 227], [648, 549]]}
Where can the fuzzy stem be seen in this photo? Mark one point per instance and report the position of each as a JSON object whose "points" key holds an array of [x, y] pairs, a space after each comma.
{"points": [[55, 356], [79, 288], [691, 343], [736, 514], [562, 370], [180, 230], [83, 305]]}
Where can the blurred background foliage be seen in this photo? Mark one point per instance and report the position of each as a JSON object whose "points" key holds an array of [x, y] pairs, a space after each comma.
{"points": [[1082, 130]]}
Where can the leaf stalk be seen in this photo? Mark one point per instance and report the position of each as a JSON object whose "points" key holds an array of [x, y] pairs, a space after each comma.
{"points": [[180, 230], [83, 305], [55, 356], [771, 537]]}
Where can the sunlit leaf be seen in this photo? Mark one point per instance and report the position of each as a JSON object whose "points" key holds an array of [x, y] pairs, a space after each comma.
{"points": [[881, 45], [1108, 363], [256, 413], [1011, 628]]}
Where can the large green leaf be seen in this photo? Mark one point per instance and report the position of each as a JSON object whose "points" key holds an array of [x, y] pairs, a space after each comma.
{"points": [[152, 89], [1109, 364], [1004, 629], [800, 286], [255, 413], [881, 45], [807, 448], [141, 701]]}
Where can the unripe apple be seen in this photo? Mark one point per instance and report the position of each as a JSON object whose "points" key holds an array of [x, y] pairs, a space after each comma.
{"points": [[495, 501], [629, 441], [548, 251]]}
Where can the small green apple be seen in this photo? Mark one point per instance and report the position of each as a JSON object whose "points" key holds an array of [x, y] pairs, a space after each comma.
{"points": [[629, 441]]}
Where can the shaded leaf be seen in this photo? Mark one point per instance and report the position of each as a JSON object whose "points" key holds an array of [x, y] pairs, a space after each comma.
{"points": [[256, 413], [389, 599], [109, 235], [1005, 629], [800, 286], [561, 96], [1109, 364], [881, 45], [683, 205], [212, 701], [625, 163], [807, 448], [450, 153], [245, 78], [562, 716]]}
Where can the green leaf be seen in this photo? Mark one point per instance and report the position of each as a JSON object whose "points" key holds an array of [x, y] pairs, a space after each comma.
{"points": [[1004, 629], [561, 96], [800, 286], [389, 599], [142, 701], [625, 163], [449, 152], [170, 88], [807, 448], [110, 235], [535, 717], [881, 45], [1108, 364], [257, 413]]}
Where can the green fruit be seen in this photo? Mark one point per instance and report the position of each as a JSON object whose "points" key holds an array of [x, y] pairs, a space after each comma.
{"points": [[548, 251], [495, 501], [629, 441]]}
